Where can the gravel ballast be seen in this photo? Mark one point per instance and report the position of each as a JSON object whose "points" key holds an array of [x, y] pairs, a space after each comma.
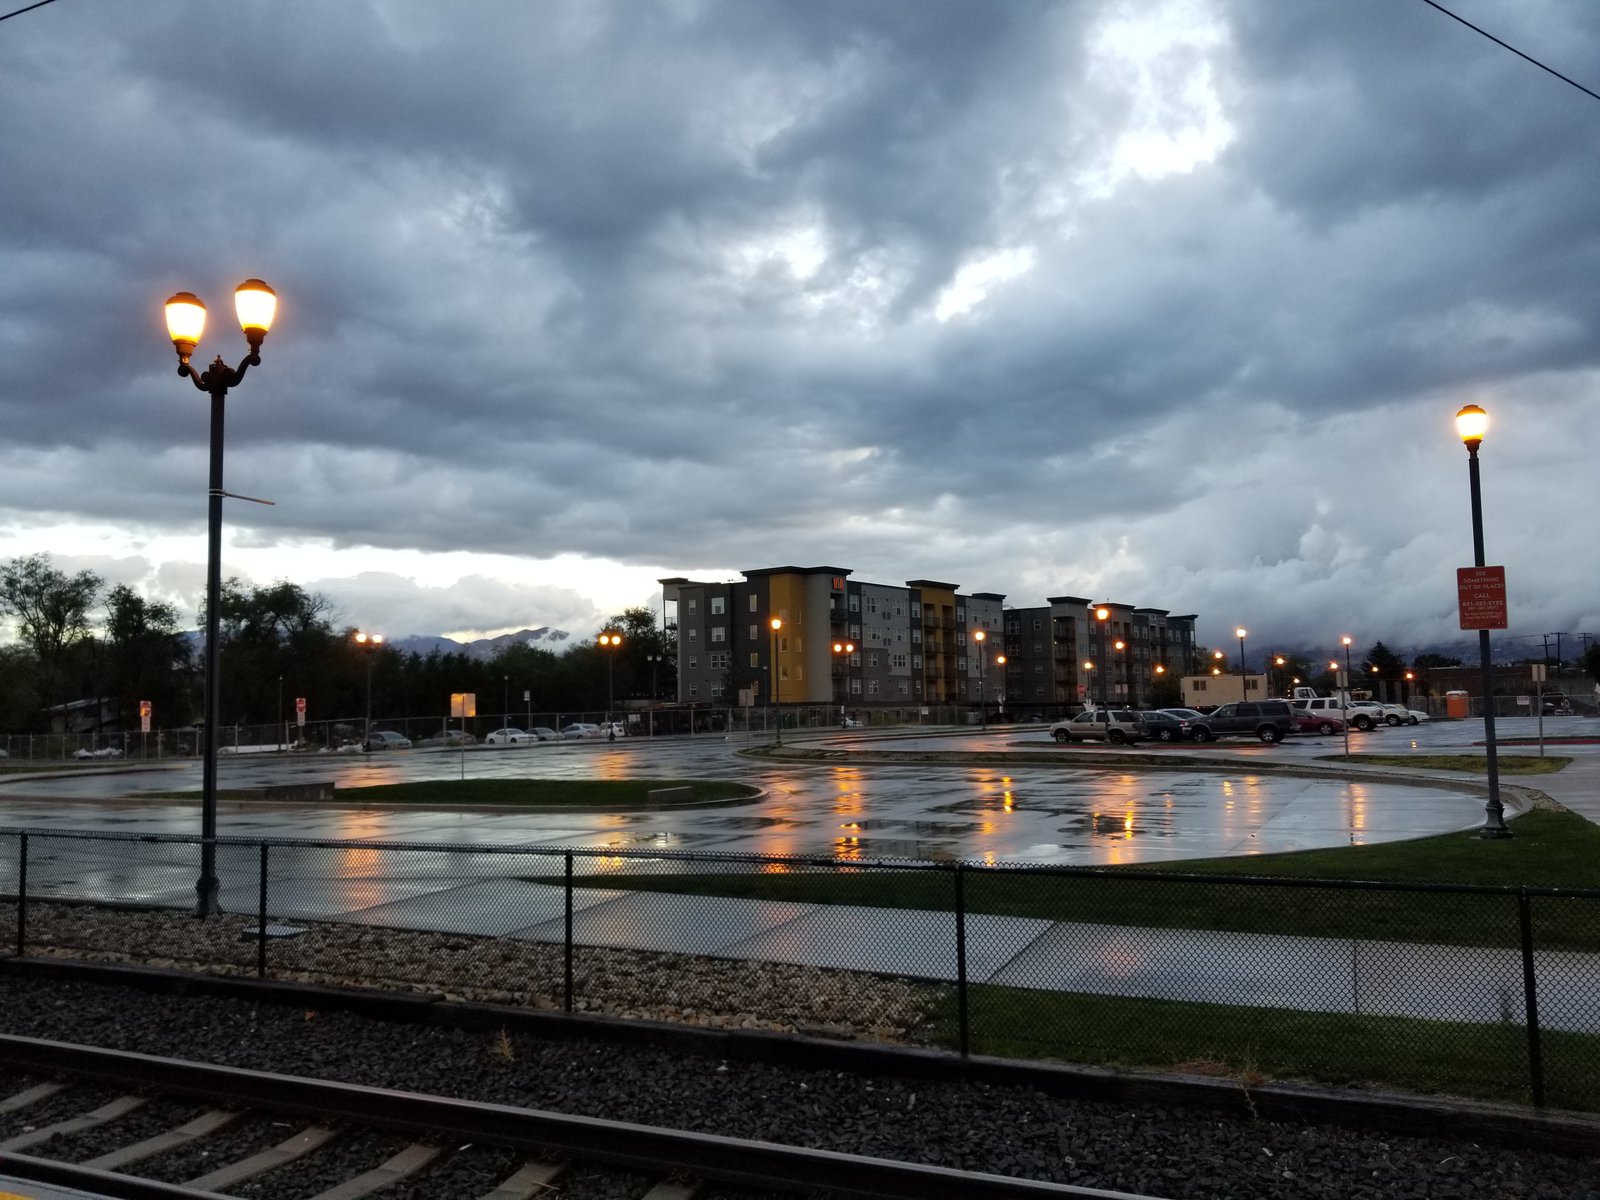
{"points": [[1141, 1148]]}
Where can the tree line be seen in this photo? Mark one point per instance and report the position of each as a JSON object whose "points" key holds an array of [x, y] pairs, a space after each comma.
{"points": [[80, 639]]}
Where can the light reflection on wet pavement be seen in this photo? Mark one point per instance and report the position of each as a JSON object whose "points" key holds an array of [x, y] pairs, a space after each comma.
{"points": [[986, 813]]}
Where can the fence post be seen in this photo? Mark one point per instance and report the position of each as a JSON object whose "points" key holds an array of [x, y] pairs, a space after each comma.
{"points": [[261, 910], [567, 941], [1530, 997], [22, 894], [961, 959]]}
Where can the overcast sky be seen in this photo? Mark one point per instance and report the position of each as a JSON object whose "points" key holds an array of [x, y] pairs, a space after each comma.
{"points": [[1166, 303]]}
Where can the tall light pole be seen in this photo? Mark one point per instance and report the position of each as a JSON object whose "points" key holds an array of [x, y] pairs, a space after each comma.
{"points": [[1472, 423], [844, 650], [505, 699], [1344, 692], [256, 304], [983, 707], [369, 644], [1088, 669], [1101, 616], [1278, 661], [1121, 648], [610, 642], [1239, 633], [777, 702], [1000, 696]]}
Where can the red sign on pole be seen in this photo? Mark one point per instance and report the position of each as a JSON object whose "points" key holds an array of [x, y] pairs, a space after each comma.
{"points": [[144, 716], [300, 710], [1481, 597]]}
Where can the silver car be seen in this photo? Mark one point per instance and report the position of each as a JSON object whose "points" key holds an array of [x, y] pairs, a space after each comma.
{"points": [[1119, 726]]}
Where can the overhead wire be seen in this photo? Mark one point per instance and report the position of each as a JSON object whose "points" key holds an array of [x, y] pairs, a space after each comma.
{"points": [[29, 8], [1513, 49]]}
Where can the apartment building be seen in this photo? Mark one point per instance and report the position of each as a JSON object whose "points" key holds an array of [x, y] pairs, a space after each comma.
{"points": [[855, 643]]}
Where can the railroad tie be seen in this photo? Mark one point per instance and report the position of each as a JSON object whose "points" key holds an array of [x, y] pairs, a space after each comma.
{"points": [[33, 1095], [408, 1162], [531, 1179], [300, 1144], [119, 1107], [201, 1126], [673, 1191]]}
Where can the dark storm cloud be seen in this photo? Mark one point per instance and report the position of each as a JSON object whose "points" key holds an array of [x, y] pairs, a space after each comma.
{"points": [[703, 285]]}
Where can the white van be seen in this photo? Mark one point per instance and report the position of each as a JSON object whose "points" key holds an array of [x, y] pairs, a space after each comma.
{"points": [[1354, 715]]}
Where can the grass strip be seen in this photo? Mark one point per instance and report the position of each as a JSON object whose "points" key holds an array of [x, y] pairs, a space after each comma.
{"points": [[1509, 764], [1253, 1045], [532, 793]]}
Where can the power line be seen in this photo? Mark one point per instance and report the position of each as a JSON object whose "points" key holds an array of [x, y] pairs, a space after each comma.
{"points": [[30, 8], [1513, 49]]}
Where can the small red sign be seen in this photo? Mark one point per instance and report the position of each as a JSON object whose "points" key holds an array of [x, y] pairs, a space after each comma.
{"points": [[1481, 597], [299, 704]]}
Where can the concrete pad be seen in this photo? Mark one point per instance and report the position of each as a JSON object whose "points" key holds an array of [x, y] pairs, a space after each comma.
{"points": [[921, 944], [310, 899], [1202, 966], [494, 908], [670, 923], [1478, 984]]}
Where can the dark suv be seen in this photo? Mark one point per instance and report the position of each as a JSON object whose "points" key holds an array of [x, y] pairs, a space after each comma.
{"points": [[1269, 720]]}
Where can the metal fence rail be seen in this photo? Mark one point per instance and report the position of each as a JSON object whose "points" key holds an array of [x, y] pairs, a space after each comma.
{"points": [[1079, 963]]}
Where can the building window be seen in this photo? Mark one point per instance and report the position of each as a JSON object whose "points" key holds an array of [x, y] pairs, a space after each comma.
{"points": [[872, 604], [1199, 685], [719, 633], [716, 606], [693, 662], [901, 684], [693, 633], [872, 659], [753, 607], [916, 609], [716, 690], [692, 603], [855, 603], [755, 632], [783, 674], [855, 687], [783, 646], [872, 687], [1036, 624], [919, 687], [916, 635], [916, 662], [897, 660], [755, 660]]}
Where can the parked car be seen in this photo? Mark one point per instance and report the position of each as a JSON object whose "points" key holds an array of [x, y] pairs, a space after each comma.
{"points": [[613, 729], [1316, 722], [387, 739], [509, 737], [1416, 716], [103, 752], [1119, 726], [1393, 714], [1185, 714], [1269, 720], [1164, 726], [580, 729], [849, 723], [545, 734], [449, 737]]}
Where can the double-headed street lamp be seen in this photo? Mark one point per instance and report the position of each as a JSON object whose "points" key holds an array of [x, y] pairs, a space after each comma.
{"points": [[256, 304], [844, 650], [777, 703], [983, 707], [610, 641], [1472, 423], [369, 644]]}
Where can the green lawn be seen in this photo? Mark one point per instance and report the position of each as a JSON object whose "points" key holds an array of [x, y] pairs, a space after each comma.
{"points": [[538, 793], [1252, 1045]]}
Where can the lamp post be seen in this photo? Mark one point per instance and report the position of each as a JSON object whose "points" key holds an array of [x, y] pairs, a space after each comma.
{"points": [[983, 709], [1101, 616], [283, 719], [368, 644], [610, 641], [1239, 633], [1121, 647], [1472, 423], [256, 304], [1000, 696], [844, 650], [1344, 692], [776, 623], [1278, 661], [505, 699], [1088, 669]]}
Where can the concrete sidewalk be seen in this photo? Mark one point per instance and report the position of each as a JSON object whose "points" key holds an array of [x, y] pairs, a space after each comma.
{"points": [[1309, 974]]}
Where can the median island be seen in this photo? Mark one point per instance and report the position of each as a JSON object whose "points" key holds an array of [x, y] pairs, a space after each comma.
{"points": [[597, 794]]}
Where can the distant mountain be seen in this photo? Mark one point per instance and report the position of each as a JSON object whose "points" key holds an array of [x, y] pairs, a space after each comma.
{"points": [[484, 649]]}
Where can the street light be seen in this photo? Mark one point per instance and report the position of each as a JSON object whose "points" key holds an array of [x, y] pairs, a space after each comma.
{"points": [[777, 624], [983, 709], [844, 650], [1239, 633], [1088, 667], [1344, 692], [505, 698], [610, 642], [1000, 696], [1472, 423], [369, 644], [255, 303], [1127, 671], [1278, 661], [1101, 616]]}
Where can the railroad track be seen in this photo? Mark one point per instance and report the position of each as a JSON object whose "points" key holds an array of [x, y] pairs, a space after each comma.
{"points": [[132, 1126]]}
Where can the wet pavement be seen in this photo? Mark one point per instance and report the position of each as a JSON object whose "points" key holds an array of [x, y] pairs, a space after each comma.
{"points": [[1022, 813]]}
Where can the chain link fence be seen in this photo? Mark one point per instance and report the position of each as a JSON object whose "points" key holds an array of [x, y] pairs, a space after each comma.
{"points": [[1491, 991]]}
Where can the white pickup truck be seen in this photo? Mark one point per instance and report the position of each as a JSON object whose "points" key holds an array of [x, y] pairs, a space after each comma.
{"points": [[1358, 714]]}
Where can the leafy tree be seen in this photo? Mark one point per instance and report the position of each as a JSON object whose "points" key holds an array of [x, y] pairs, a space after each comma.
{"points": [[146, 658], [279, 640], [51, 609]]}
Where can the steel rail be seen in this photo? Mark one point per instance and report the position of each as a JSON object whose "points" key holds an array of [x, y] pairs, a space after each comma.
{"points": [[739, 1161]]}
